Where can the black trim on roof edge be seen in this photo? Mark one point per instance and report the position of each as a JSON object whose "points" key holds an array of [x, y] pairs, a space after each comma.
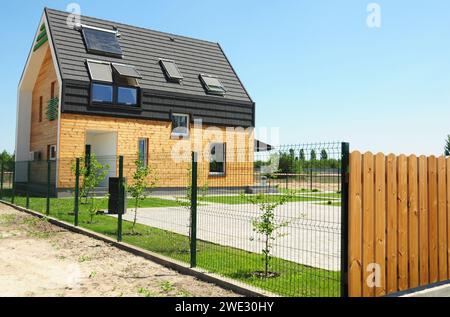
{"points": [[53, 44]]}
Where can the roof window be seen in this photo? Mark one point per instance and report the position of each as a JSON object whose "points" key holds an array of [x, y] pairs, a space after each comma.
{"points": [[171, 70], [212, 85]]}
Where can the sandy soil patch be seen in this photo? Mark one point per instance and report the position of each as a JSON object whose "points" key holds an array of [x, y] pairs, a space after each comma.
{"points": [[39, 259]]}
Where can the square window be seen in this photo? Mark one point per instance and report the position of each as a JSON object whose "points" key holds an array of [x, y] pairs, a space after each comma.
{"points": [[217, 159], [127, 96], [180, 125], [102, 93]]}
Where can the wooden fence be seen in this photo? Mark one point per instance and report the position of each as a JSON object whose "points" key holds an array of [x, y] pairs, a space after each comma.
{"points": [[399, 223]]}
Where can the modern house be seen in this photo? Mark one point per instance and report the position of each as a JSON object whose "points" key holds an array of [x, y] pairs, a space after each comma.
{"points": [[110, 89]]}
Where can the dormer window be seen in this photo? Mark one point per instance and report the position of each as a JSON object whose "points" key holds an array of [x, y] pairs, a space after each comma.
{"points": [[171, 71], [101, 41], [212, 85], [114, 84]]}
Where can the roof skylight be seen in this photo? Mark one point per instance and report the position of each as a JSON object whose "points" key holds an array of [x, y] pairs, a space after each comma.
{"points": [[171, 70], [212, 85], [100, 71], [126, 71]]}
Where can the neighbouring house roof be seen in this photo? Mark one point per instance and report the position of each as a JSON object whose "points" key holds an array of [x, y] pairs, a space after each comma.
{"points": [[143, 49]]}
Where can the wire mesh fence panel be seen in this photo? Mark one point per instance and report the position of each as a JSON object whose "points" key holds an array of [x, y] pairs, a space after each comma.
{"points": [[273, 220], [159, 219], [269, 219]]}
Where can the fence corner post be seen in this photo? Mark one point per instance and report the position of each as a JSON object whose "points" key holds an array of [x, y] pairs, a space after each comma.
{"points": [[77, 192], [194, 186], [120, 202], [345, 176]]}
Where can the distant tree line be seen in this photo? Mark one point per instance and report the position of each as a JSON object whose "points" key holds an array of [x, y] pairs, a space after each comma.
{"points": [[292, 162]]}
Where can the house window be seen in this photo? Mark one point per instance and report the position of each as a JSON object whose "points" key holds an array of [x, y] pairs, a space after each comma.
{"points": [[212, 85], [102, 93], [52, 92], [217, 159], [171, 71], [143, 151], [180, 125], [51, 152], [41, 106], [127, 96]]}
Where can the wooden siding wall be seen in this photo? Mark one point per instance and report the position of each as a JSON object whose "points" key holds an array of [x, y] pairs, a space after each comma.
{"points": [[43, 133], [399, 219], [73, 133]]}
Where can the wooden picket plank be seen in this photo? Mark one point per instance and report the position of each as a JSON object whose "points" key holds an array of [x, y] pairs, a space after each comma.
{"points": [[355, 229], [391, 174], [368, 224], [433, 219], [380, 221], [402, 207], [423, 221], [442, 219], [413, 215]]}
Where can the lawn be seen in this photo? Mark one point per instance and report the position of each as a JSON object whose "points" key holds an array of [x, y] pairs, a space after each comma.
{"points": [[293, 280]]}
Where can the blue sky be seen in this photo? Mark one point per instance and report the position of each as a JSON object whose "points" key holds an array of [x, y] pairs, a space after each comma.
{"points": [[314, 68]]}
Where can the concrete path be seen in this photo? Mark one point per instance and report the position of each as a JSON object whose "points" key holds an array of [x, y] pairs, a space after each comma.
{"points": [[311, 237], [439, 291]]}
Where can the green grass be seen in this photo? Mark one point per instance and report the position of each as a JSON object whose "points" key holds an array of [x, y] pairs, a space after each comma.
{"points": [[293, 280], [67, 204]]}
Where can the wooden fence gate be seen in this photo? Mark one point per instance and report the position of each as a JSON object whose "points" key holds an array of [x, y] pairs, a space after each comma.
{"points": [[399, 223]]}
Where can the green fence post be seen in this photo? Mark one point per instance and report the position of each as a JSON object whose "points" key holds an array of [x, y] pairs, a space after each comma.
{"points": [[77, 191], [13, 180], [1, 182], [345, 179], [120, 203], [194, 210], [28, 184], [49, 167]]}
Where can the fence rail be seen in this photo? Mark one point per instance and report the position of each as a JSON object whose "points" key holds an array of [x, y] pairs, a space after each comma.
{"points": [[399, 222]]}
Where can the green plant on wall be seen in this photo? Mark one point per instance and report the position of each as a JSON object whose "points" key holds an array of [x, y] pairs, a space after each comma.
{"points": [[52, 109]]}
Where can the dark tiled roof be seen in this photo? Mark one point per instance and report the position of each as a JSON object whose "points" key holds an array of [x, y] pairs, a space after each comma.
{"points": [[143, 48]]}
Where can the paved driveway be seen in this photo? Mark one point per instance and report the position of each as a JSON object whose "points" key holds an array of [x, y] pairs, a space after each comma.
{"points": [[312, 236]]}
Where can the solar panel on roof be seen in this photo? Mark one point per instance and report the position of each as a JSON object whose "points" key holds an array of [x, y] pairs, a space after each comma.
{"points": [[126, 71], [101, 42], [171, 70]]}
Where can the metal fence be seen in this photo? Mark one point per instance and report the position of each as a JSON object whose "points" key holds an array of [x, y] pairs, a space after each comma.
{"points": [[272, 220]]}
